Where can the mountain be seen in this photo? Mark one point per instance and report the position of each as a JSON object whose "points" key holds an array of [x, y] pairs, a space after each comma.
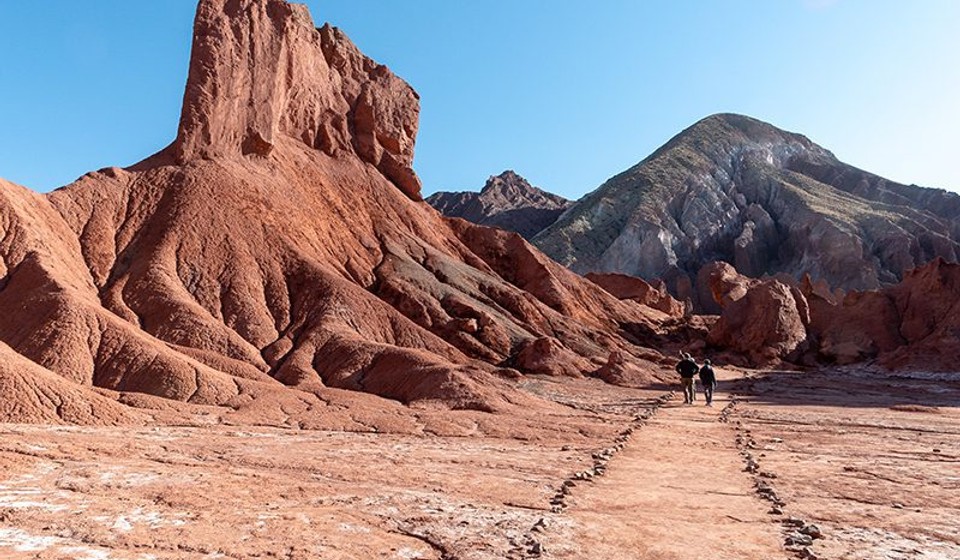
{"points": [[731, 188], [277, 260], [507, 201]]}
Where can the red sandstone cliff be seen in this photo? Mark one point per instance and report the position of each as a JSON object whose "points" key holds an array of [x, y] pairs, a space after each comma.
{"points": [[278, 251]]}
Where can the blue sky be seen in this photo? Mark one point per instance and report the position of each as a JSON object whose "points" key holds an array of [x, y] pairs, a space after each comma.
{"points": [[566, 93]]}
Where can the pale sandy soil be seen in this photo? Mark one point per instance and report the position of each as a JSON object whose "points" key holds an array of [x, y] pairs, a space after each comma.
{"points": [[873, 464]]}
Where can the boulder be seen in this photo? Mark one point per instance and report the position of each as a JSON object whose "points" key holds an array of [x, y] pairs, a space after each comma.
{"points": [[765, 325], [622, 370], [718, 285], [548, 356]]}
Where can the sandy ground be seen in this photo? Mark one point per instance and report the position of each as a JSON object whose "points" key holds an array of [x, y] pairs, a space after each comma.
{"points": [[874, 461], [873, 464]]}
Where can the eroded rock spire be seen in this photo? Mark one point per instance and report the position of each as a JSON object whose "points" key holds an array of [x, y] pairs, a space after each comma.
{"points": [[262, 73]]}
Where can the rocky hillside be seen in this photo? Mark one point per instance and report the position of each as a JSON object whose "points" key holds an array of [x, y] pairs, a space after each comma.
{"points": [[277, 258], [734, 189], [507, 201]]}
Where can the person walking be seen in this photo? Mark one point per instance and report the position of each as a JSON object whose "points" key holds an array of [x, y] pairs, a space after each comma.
{"points": [[708, 378], [687, 368]]}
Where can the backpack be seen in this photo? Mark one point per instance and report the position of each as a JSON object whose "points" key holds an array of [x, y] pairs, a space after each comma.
{"points": [[687, 368]]}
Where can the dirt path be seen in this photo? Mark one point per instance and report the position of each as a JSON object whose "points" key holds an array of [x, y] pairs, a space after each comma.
{"points": [[677, 490]]}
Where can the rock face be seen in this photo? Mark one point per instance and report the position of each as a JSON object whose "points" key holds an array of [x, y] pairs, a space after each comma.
{"points": [[767, 323], [260, 71], [913, 325], [276, 253], [507, 201], [636, 289], [734, 189]]}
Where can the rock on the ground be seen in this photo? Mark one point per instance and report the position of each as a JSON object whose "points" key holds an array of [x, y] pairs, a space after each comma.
{"points": [[763, 320]]}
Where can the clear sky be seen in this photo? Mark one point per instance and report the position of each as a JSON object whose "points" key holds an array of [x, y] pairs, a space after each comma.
{"points": [[566, 93]]}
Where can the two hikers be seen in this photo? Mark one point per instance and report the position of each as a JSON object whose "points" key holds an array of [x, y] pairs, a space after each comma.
{"points": [[688, 369]]}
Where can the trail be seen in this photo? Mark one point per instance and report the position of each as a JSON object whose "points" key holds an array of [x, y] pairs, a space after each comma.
{"points": [[677, 491]]}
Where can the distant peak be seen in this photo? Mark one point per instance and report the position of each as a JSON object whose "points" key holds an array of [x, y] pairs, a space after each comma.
{"points": [[722, 132], [507, 201], [509, 175], [747, 127], [507, 182], [734, 119]]}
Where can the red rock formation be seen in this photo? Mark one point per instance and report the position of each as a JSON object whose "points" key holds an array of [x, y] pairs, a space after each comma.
{"points": [[928, 301], [548, 356], [765, 325], [719, 284], [630, 287], [859, 327], [762, 320], [279, 242], [913, 325], [620, 371], [260, 71], [31, 393]]}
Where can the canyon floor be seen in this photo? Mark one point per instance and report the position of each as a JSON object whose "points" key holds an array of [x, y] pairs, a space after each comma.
{"points": [[873, 461]]}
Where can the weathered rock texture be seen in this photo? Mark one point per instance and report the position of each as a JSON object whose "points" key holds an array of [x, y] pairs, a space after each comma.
{"points": [[734, 189], [764, 320], [630, 287], [507, 201], [912, 325], [279, 244], [260, 72]]}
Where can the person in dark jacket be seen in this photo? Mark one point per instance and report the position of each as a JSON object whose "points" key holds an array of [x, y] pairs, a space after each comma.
{"points": [[687, 368], [708, 378]]}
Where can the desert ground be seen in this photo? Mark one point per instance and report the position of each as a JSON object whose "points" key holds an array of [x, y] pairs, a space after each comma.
{"points": [[866, 462]]}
